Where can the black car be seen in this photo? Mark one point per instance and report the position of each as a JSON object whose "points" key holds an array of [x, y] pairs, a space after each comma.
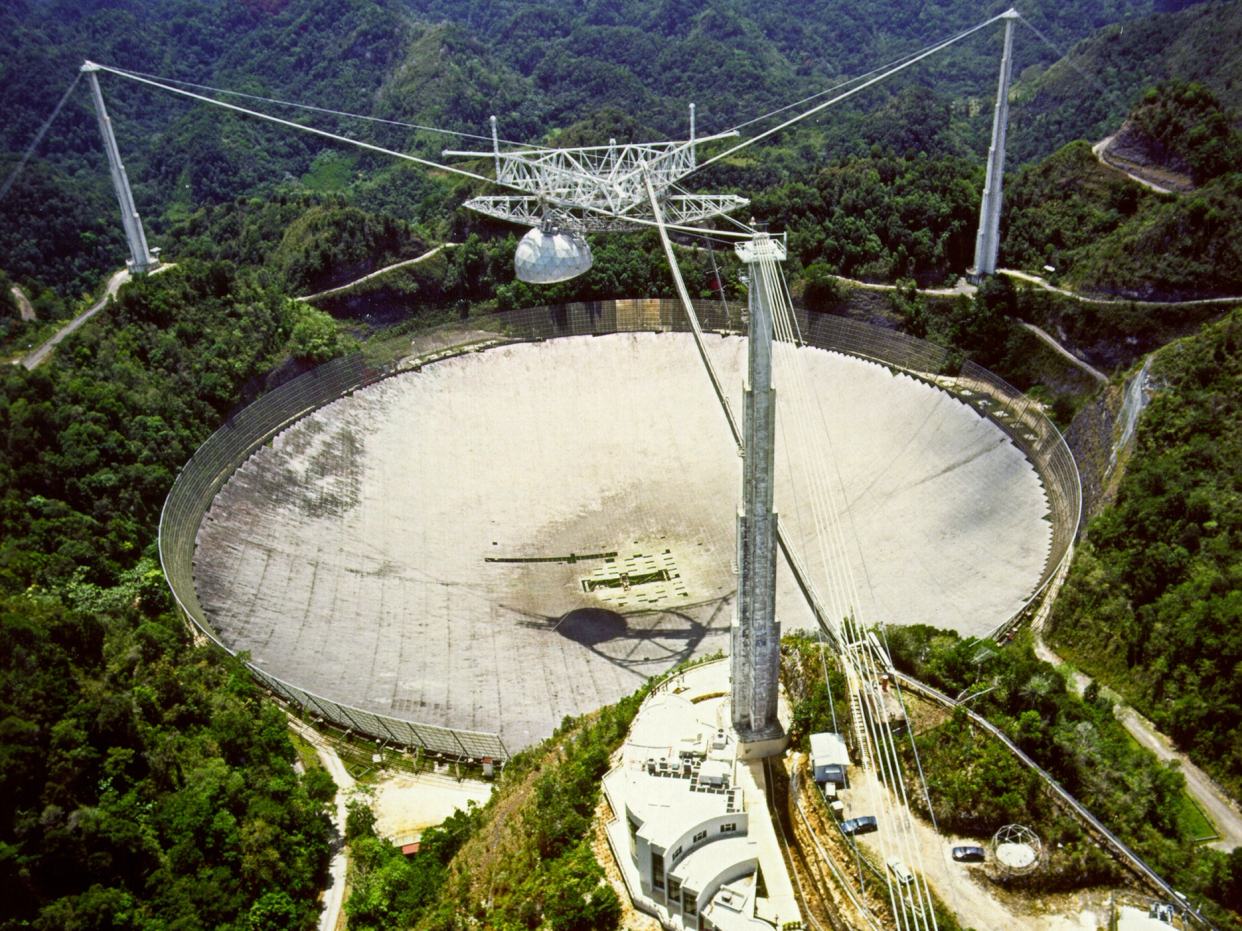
{"points": [[969, 854], [863, 825]]}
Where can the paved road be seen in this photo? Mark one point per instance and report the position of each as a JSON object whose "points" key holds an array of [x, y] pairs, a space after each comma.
{"points": [[1035, 279], [114, 284], [961, 287], [334, 895], [1099, 150], [926, 850], [1222, 811], [1051, 341]]}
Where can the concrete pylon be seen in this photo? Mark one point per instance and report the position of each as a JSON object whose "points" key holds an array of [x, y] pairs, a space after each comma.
{"points": [[141, 260], [755, 633], [987, 242]]}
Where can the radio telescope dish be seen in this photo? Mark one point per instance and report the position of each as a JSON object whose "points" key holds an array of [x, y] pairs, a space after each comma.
{"points": [[545, 257]]}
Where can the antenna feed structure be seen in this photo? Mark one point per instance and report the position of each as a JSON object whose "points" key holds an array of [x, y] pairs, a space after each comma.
{"points": [[590, 189]]}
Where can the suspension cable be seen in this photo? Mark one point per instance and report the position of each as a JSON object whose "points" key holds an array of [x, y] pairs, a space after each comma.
{"points": [[1064, 57], [858, 77], [298, 126], [828, 103], [12, 178], [305, 106]]}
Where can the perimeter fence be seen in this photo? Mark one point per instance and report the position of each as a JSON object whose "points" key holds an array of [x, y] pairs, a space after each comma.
{"points": [[191, 497]]}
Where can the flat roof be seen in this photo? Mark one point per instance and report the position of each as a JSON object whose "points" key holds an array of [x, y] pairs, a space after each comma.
{"points": [[829, 749], [667, 806], [703, 864]]}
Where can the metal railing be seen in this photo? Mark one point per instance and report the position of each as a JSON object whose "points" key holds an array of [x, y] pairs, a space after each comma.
{"points": [[215, 461]]}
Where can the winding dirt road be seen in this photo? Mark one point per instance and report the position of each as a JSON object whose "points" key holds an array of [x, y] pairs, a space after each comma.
{"points": [[1100, 149], [334, 895], [114, 284], [1220, 809]]}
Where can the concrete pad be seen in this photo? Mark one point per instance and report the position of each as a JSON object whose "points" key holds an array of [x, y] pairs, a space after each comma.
{"points": [[781, 905], [407, 804], [512, 536]]}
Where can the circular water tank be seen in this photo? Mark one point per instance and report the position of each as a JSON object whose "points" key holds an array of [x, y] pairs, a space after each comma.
{"points": [[544, 258]]}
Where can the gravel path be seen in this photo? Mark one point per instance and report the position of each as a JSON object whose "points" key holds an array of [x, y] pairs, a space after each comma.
{"points": [[376, 274], [38, 355], [1069, 356], [1100, 149], [23, 303], [960, 885], [1220, 809], [334, 895]]}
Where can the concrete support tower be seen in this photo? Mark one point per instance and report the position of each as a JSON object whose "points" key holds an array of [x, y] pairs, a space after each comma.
{"points": [[755, 632], [987, 243], [141, 260]]}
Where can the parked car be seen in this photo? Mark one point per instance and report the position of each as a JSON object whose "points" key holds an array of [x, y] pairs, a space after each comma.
{"points": [[900, 871], [863, 825], [969, 854]]}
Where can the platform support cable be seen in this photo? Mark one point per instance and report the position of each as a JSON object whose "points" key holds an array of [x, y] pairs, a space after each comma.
{"points": [[30, 149], [940, 46], [865, 674], [292, 125], [874, 735]]}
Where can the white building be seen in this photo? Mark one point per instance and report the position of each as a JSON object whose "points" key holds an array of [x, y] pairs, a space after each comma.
{"points": [[691, 832], [831, 758]]}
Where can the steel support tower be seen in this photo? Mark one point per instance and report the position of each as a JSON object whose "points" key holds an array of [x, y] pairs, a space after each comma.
{"points": [[987, 243], [756, 634], [141, 260]]}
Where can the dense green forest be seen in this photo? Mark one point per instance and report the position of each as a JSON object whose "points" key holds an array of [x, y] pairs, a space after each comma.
{"points": [[146, 781], [540, 68], [1151, 604], [146, 784]]}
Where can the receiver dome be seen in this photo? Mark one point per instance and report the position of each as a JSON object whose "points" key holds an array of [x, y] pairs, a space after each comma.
{"points": [[548, 257]]}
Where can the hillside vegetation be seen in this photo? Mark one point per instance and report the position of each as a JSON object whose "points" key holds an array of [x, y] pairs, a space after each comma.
{"points": [[524, 860], [1152, 604], [1087, 94], [147, 784], [1107, 234], [538, 67]]}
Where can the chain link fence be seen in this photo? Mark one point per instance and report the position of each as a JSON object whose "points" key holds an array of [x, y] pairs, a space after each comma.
{"points": [[215, 461]]}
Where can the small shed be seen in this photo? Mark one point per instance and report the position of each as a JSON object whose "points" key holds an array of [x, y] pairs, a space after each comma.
{"points": [[830, 757]]}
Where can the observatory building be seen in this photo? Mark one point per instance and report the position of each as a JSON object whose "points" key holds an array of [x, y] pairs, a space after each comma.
{"points": [[683, 836]]}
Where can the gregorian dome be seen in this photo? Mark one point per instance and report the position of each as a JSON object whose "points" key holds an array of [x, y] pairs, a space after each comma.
{"points": [[548, 256]]}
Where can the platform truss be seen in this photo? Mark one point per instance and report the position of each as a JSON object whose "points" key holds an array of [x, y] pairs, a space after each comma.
{"points": [[598, 188]]}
